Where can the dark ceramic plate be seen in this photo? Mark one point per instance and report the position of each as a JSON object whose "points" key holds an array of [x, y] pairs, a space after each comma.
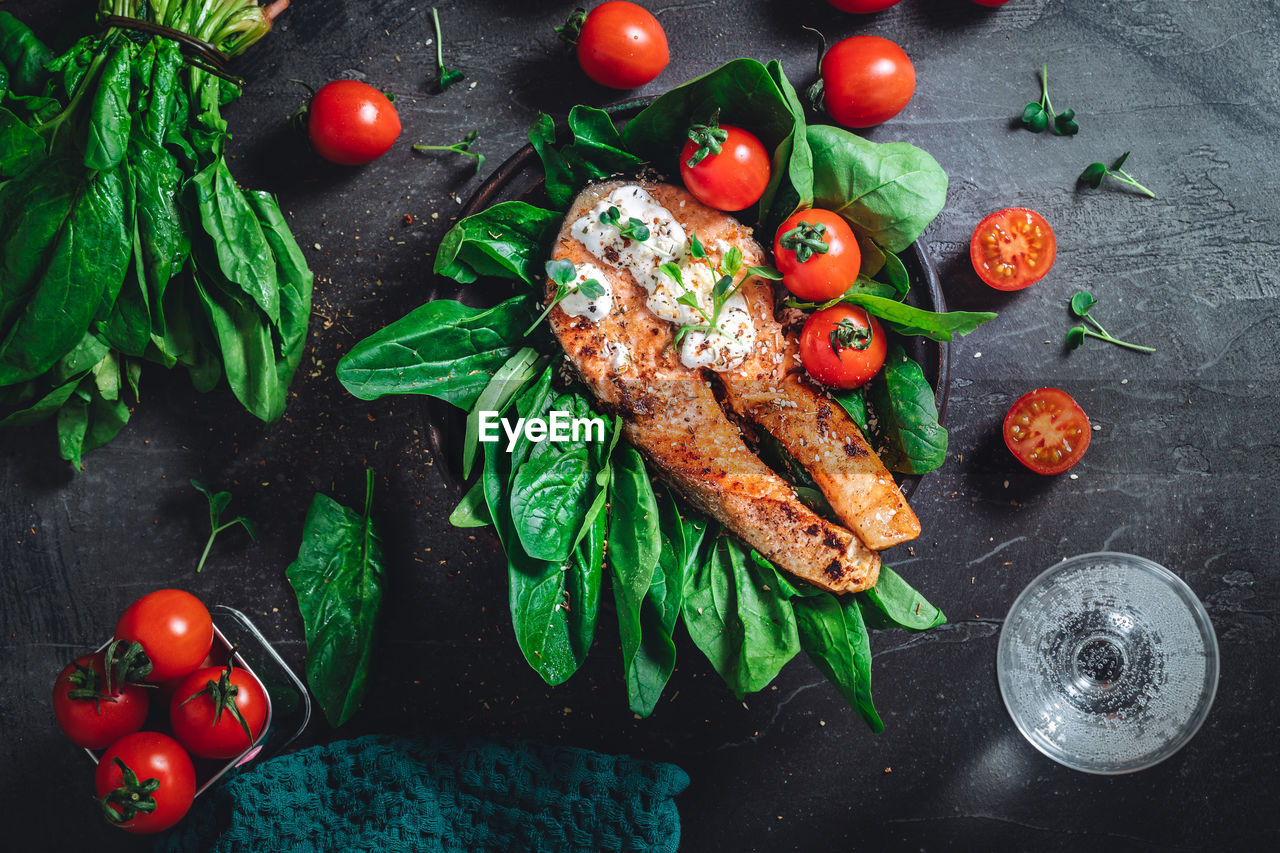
{"points": [[520, 178]]}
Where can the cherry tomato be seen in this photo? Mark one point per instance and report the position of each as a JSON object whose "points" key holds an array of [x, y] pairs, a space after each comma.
{"points": [[864, 7], [1012, 248], [622, 45], [149, 756], [866, 80], [730, 179], [89, 714], [842, 346], [1047, 431], [351, 123], [173, 626], [817, 254], [204, 711]]}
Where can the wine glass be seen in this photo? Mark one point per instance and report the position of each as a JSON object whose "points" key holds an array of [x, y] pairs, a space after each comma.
{"points": [[1108, 663]]}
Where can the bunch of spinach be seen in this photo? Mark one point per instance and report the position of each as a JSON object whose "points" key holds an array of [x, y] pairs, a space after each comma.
{"points": [[125, 238], [568, 514]]}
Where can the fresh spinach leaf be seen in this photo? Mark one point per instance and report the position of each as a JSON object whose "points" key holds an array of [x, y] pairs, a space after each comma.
{"points": [[509, 240], [907, 435], [833, 634], [442, 349], [740, 617], [893, 603], [67, 249], [24, 55], [109, 117], [888, 191], [895, 272], [20, 146], [907, 320], [554, 606], [505, 384], [232, 239], [551, 489], [855, 404], [340, 580], [595, 153], [472, 511], [649, 666], [791, 177]]}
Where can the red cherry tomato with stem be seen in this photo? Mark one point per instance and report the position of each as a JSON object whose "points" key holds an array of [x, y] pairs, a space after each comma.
{"points": [[864, 7], [1012, 248], [724, 166], [817, 254], [866, 80], [1047, 431], [351, 123], [149, 768], [92, 714], [843, 346], [218, 712], [173, 627], [622, 45]]}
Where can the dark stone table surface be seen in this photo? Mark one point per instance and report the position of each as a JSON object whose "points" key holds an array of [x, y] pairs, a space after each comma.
{"points": [[1183, 470]]}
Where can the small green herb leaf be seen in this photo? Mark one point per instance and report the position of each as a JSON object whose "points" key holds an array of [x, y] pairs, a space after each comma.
{"points": [[1064, 124], [696, 248], [732, 261], [611, 216], [688, 298], [1075, 336], [445, 77], [764, 272], [561, 271], [591, 288], [672, 271], [1119, 163], [218, 502], [1034, 117], [1081, 302], [463, 148], [1093, 174]]}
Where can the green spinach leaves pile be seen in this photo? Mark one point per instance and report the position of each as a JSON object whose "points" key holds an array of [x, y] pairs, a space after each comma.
{"points": [[570, 513], [125, 237]]}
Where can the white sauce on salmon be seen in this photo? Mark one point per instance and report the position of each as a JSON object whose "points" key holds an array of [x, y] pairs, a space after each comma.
{"points": [[579, 304], [722, 348]]}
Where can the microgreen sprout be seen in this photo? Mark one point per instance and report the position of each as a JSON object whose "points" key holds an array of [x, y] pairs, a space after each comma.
{"points": [[217, 505], [1038, 115], [1081, 302], [1095, 173], [564, 274], [445, 77], [463, 148], [632, 229], [722, 291], [805, 240], [708, 137]]}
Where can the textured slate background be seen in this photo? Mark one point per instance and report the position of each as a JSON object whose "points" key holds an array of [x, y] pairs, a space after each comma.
{"points": [[1183, 470]]}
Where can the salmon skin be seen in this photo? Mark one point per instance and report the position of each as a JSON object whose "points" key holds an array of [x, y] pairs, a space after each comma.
{"points": [[630, 359]]}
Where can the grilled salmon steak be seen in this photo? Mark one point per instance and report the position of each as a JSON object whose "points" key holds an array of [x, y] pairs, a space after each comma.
{"points": [[636, 323]]}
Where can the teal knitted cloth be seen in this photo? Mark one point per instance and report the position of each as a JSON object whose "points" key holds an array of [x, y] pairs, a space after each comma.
{"points": [[438, 795]]}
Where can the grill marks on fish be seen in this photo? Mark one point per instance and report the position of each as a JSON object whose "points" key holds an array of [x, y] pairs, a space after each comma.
{"points": [[672, 416]]}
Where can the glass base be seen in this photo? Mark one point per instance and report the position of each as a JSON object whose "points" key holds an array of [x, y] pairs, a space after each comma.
{"points": [[1108, 663]]}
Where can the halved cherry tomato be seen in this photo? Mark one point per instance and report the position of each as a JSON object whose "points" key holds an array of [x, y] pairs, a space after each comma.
{"points": [[1047, 431], [732, 171], [351, 123], [864, 7], [173, 627], [209, 706], [147, 756], [1012, 248], [622, 45], [842, 346], [817, 254], [91, 715], [866, 80]]}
